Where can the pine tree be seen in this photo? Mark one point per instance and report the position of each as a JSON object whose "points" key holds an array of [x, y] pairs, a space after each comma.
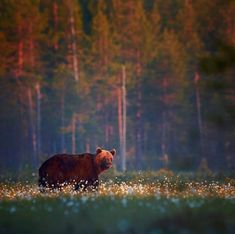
{"points": [[103, 68], [28, 26], [172, 82], [130, 34]]}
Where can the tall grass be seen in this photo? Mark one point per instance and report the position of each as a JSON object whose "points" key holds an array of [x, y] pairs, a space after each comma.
{"points": [[136, 202]]}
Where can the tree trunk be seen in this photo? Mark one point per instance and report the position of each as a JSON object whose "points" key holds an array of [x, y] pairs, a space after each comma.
{"points": [[138, 127], [106, 122], [163, 145], [32, 132], [199, 116], [62, 140], [31, 46], [124, 118], [55, 17], [38, 92], [88, 147], [164, 129], [164, 158], [120, 119], [73, 126], [20, 59], [73, 44], [106, 132]]}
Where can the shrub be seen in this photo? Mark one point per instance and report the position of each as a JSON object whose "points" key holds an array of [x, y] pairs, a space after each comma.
{"points": [[203, 169]]}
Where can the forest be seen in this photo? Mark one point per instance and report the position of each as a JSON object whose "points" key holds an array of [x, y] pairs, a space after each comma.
{"points": [[69, 67]]}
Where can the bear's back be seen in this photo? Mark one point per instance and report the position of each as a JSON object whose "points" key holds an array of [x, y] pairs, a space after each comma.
{"points": [[68, 167]]}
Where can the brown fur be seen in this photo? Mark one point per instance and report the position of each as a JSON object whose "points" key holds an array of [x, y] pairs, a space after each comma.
{"points": [[81, 170]]}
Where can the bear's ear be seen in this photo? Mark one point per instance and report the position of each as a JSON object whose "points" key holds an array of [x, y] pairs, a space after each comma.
{"points": [[113, 152], [98, 150]]}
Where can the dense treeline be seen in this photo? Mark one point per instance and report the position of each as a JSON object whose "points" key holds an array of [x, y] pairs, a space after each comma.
{"points": [[61, 67]]}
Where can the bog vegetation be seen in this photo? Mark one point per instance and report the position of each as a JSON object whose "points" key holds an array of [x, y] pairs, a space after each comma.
{"points": [[61, 69], [150, 202]]}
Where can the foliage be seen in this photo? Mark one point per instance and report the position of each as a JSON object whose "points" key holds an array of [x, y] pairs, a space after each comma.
{"points": [[203, 169], [179, 59], [164, 173]]}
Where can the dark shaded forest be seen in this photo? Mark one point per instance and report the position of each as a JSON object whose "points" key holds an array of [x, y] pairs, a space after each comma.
{"points": [[62, 64]]}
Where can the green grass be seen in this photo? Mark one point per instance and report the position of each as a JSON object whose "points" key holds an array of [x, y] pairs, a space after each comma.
{"points": [[117, 215], [137, 203]]}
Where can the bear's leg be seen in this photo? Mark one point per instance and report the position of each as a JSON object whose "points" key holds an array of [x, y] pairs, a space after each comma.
{"points": [[47, 186], [55, 186], [77, 186], [80, 186], [88, 185], [92, 185], [95, 184], [42, 184]]}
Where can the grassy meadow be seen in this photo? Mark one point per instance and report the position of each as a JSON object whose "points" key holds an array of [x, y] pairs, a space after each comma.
{"points": [[147, 202]]}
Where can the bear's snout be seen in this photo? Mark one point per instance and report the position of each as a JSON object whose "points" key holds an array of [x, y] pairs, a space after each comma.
{"points": [[106, 163]]}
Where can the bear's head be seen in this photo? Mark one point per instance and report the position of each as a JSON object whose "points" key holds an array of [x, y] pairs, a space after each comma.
{"points": [[104, 159]]}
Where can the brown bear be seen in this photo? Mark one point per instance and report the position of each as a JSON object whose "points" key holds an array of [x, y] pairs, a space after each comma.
{"points": [[80, 170]]}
